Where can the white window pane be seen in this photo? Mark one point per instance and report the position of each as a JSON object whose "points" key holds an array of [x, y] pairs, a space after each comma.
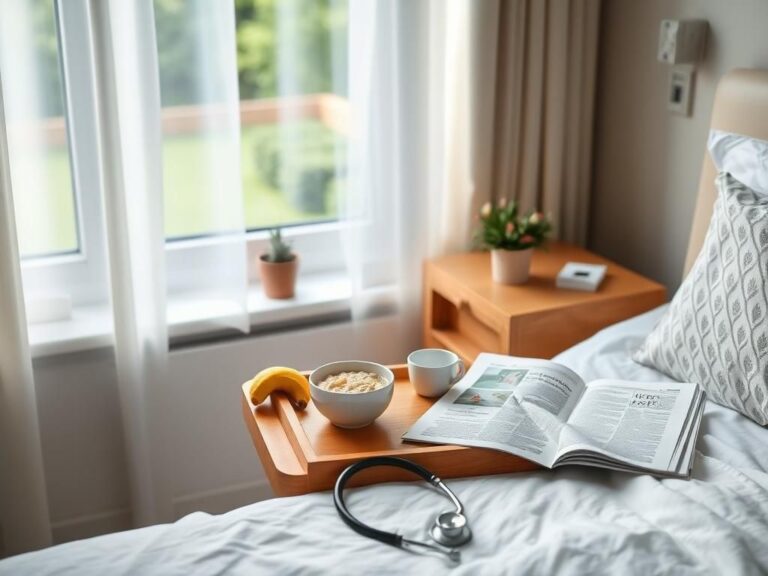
{"points": [[46, 210], [290, 57]]}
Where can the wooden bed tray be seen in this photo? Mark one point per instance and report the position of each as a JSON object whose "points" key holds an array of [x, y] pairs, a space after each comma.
{"points": [[303, 452]]}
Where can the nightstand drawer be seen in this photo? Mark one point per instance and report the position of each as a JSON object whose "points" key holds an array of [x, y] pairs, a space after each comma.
{"points": [[461, 321], [455, 327]]}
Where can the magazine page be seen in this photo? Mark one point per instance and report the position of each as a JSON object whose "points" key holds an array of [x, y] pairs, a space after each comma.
{"points": [[691, 428], [641, 424], [518, 405], [686, 461]]}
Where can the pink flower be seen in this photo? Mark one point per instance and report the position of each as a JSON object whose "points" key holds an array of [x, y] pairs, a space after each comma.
{"points": [[527, 239], [510, 228], [502, 202]]}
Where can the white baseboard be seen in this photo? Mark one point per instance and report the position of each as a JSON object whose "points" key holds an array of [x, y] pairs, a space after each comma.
{"points": [[211, 501], [222, 500], [89, 525]]}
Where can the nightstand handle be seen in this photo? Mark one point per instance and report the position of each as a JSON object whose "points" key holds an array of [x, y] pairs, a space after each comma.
{"points": [[460, 303]]}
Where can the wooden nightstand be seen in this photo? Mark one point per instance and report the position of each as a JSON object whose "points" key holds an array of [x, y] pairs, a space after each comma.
{"points": [[465, 311]]}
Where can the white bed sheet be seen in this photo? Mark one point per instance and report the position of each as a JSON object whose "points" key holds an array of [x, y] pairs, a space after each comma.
{"points": [[570, 521]]}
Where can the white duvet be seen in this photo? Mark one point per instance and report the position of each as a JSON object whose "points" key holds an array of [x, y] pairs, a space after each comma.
{"points": [[571, 521]]}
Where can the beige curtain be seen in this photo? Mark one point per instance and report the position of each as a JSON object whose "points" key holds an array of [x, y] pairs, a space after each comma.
{"points": [[544, 101]]}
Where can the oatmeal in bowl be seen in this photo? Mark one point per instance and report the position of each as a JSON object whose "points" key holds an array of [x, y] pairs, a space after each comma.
{"points": [[353, 382], [353, 393]]}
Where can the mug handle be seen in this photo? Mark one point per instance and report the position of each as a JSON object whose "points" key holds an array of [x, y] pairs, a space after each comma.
{"points": [[460, 375]]}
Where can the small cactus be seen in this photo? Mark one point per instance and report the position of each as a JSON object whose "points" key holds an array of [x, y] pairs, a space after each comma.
{"points": [[279, 250]]}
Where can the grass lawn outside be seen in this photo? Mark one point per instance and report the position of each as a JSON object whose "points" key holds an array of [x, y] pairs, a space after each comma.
{"points": [[46, 220], [288, 176]]}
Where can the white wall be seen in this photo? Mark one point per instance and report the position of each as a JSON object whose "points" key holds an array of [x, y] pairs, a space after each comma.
{"points": [[647, 161], [214, 466]]}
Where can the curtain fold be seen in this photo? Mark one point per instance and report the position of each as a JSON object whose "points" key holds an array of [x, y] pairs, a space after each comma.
{"points": [[130, 156], [450, 177], [415, 148], [544, 101], [216, 277], [23, 500]]}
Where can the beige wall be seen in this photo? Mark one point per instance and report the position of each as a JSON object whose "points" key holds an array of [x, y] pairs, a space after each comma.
{"points": [[647, 161]]}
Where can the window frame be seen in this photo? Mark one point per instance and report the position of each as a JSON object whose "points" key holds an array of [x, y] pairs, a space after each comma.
{"points": [[83, 276], [80, 275]]}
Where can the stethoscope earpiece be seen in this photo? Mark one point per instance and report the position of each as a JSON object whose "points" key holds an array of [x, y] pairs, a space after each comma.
{"points": [[449, 530]]}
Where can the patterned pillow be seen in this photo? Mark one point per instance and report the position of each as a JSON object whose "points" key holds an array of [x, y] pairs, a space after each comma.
{"points": [[716, 330]]}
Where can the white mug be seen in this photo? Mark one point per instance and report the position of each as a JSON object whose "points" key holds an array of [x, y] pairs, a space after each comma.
{"points": [[433, 371]]}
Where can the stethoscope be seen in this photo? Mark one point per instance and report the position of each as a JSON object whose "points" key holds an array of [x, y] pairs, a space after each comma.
{"points": [[449, 530]]}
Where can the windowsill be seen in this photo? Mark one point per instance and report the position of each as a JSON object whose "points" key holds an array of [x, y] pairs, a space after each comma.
{"points": [[90, 327]]}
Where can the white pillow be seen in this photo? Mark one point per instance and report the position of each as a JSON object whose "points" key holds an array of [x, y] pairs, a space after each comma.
{"points": [[744, 158], [715, 331]]}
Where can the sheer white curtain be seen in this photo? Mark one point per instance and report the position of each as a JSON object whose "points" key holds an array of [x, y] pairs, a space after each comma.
{"points": [[416, 174], [23, 500], [128, 117], [131, 157], [146, 281], [213, 276]]}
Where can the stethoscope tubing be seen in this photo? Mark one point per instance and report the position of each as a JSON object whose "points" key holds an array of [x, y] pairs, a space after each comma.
{"points": [[391, 538]]}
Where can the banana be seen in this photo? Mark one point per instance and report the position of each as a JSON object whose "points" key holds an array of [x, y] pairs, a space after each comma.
{"points": [[284, 379]]}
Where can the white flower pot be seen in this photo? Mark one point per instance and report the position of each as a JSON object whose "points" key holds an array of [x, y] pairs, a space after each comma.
{"points": [[511, 266]]}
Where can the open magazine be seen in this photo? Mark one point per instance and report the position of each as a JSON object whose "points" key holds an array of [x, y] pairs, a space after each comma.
{"points": [[545, 412]]}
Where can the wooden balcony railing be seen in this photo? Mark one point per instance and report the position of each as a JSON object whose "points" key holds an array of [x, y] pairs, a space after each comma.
{"points": [[329, 109]]}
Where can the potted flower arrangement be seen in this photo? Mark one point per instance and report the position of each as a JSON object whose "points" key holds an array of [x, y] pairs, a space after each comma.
{"points": [[511, 237], [278, 267]]}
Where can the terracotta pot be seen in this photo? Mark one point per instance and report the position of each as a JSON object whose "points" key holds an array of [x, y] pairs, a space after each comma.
{"points": [[511, 266], [279, 278]]}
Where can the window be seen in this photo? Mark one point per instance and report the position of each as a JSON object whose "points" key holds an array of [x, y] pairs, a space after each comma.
{"points": [[291, 150], [46, 213], [292, 145], [292, 155]]}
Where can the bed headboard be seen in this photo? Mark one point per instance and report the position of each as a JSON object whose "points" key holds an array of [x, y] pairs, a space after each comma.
{"points": [[741, 106]]}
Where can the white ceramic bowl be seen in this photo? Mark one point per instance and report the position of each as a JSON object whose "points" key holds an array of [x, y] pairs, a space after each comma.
{"points": [[351, 410]]}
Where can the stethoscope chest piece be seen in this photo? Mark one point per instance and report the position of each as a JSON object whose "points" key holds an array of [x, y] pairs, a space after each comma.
{"points": [[451, 529]]}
